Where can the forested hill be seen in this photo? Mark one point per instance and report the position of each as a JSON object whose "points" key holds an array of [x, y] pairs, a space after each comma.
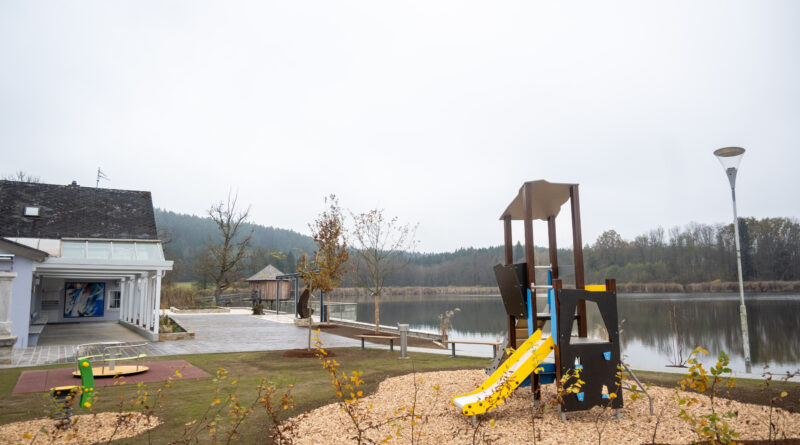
{"points": [[691, 254], [185, 239]]}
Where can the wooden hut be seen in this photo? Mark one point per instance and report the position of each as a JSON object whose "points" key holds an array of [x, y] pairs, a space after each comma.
{"points": [[265, 282]]}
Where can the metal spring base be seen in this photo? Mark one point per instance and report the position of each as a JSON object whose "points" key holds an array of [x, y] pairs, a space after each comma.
{"points": [[63, 398]]}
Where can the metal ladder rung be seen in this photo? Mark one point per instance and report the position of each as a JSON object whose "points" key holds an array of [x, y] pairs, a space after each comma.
{"points": [[548, 267], [541, 286]]}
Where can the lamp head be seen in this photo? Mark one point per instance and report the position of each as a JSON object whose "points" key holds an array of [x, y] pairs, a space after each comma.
{"points": [[729, 157]]}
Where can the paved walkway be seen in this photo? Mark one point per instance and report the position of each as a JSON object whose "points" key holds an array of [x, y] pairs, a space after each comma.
{"points": [[235, 332], [79, 333]]}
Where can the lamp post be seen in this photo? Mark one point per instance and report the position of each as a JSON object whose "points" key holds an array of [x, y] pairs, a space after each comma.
{"points": [[730, 157]]}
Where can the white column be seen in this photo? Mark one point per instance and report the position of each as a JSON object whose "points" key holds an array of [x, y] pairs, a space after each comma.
{"points": [[126, 295], [131, 298], [157, 300], [148, 315], [7, 341], [131, 293], [145, 303], [137, 304], [122, 299], [150, 300], [142, 299]]}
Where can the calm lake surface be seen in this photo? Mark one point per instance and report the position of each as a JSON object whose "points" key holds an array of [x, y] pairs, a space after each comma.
{"points": [[649, 338]]}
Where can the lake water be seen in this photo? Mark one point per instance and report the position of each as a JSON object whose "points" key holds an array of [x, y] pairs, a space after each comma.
{"points": [[656, 328]]}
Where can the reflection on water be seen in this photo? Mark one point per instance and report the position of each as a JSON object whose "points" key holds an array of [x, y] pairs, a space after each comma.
{"points": [[656, 328]]}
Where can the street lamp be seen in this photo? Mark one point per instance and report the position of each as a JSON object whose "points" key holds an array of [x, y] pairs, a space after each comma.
{"points": [[730, 157]]}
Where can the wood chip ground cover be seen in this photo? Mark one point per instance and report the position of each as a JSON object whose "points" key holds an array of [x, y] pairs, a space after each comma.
{"points": [[86, 429], [443, 424]]}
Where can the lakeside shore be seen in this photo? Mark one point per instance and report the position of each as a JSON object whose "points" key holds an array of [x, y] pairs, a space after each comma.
{"points": [[623, 288], [184, 294]]}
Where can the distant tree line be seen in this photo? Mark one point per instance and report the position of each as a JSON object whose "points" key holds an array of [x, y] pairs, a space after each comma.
{"points": [[700, 253], [690, 254], [185, 238]]}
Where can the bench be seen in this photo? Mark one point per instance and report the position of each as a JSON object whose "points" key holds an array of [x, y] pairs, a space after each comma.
{"points": [[494, 345], [391, 339]]}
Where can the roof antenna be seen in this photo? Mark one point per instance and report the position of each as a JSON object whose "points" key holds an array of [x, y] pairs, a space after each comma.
{"points": [[100, 175]]}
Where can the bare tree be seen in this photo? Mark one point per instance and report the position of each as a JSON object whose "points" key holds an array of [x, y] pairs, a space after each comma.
{"points": [[327, 265], [381, 248], [21, 176], [226, 254]]}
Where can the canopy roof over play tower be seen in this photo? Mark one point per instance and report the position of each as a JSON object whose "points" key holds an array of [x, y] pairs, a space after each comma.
{"points": [[544, 198]]}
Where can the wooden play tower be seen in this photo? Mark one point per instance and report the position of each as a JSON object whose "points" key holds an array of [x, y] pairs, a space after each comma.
{"points": [[542, 200], [567, 356]]}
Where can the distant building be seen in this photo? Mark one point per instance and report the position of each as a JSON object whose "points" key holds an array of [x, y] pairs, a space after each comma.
{"points": [[79, 254], [265, 282]]}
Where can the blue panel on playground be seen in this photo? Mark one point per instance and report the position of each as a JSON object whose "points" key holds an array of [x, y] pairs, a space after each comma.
{"points": [[607, 355], [580, 396], [544, 379], [547, 375]]}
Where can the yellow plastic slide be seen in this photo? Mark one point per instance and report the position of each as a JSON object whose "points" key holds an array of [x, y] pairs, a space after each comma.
{"points": [[508, 376]]}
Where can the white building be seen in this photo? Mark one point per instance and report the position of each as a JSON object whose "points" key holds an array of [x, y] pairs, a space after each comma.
{"points": [[76, 255]]}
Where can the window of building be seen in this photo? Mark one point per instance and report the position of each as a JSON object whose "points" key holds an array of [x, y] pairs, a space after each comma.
{"points": [[98, 250], [123, 251], [73, 249], [115, 300], [149, 251], [114, 250], [31, 211]]}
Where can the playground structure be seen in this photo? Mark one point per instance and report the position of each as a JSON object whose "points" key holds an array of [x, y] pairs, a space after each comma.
{"points": [[111, 359], [539, 359], [64, 396]]}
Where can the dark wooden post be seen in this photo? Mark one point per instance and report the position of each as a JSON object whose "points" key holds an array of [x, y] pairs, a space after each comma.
{"points": [[551, 234], [611, 285], [577, 252], [509, 245], [557, 352], [531, 266]]}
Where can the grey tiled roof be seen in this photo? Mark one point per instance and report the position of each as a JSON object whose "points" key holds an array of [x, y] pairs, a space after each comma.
{"points": [[71, 211], [23, 250], [266, 274]]}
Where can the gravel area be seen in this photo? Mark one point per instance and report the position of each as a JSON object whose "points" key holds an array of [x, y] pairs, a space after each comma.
{"points": [[511, 423], [87, 429]]}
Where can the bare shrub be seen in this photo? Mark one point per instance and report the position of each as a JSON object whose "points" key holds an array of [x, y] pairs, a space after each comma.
{"points": [[178, 296]]}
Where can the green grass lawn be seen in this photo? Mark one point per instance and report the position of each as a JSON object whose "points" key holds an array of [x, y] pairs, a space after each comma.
{"points": [[189, 399]]}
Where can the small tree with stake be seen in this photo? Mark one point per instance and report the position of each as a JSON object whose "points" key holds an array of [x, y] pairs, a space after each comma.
{"points": [[381, 246], [325, 268]]}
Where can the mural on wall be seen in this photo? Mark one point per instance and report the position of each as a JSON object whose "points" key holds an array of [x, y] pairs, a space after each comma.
{"points": [[84, 299]]}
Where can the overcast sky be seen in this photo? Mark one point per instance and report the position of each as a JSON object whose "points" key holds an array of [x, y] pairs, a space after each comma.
{"points": [[436, 111]]}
